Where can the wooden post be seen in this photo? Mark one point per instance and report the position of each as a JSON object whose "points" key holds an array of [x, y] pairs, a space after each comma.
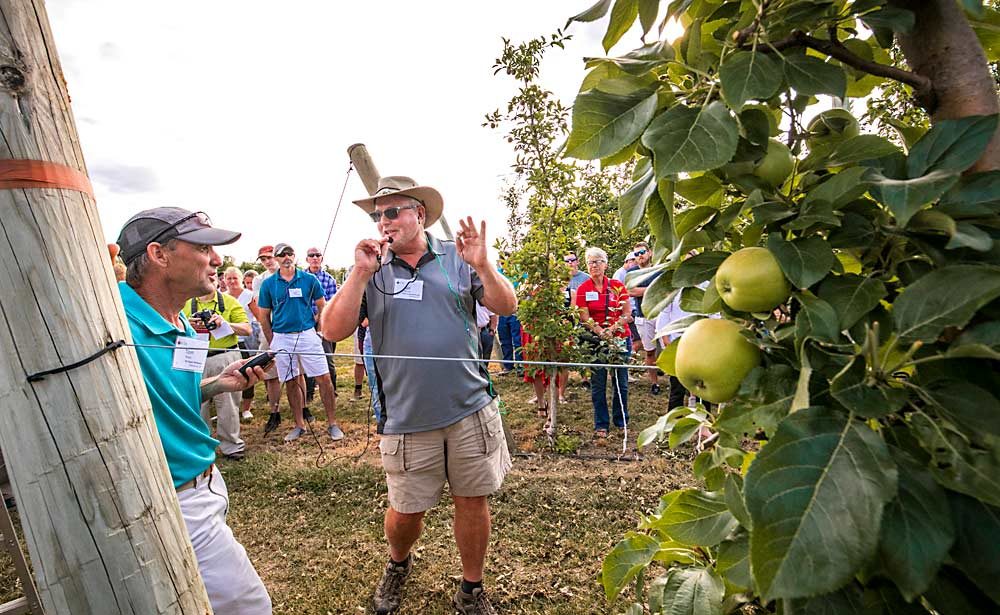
{"points": [[97, 505]]}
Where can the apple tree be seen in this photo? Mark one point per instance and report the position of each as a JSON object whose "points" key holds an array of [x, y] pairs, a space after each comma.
{"points": [[856, 468]]}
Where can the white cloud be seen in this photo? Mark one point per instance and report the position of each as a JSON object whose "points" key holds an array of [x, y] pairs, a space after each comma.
{"points": [[245, 110]]}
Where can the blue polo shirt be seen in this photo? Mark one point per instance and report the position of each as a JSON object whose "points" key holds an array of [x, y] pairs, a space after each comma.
{"points": [[175, 394], [290, 314]]}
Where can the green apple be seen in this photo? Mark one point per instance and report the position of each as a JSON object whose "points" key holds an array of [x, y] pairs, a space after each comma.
{"points": [[829, 128], [713, 358], [776, 165], [750, 280]]}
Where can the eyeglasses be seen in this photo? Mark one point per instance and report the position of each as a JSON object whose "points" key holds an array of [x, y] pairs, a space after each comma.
{"points": [[314, 255], [390, 213], [570, 260], [640, 252], [598, 261], [286, 253]]}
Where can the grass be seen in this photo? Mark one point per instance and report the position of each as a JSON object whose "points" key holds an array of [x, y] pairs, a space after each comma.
{"points": [[311, 520]]}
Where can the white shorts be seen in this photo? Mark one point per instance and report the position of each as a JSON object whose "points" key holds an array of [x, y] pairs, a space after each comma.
{"points": [[290, 364], [647, 331]]}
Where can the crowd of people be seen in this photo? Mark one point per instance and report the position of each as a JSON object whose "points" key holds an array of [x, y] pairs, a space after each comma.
{"points": [[408, 294]]}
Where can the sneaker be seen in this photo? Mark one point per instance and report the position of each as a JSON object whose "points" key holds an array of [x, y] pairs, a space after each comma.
{"points": [[294, 434], [475, 603], [655, 389], [272, 422], [235, 456], [247, 415], [307, 416], [389, 592], [335, 433]]}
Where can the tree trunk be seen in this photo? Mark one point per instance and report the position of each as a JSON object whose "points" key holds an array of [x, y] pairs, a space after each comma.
{"points": [[97, 505], [944, 48]]}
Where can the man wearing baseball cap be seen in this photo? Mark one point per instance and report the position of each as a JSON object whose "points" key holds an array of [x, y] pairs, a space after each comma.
{"points": [[286, 304], [170, 256], [271, 383]]}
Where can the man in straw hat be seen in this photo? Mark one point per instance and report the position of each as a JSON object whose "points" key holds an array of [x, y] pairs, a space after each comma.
{"points": [[170, 256], [440, 416]]}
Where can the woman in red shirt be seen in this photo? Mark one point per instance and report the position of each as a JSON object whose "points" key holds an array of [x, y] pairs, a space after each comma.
{"points": [[604, 309]]}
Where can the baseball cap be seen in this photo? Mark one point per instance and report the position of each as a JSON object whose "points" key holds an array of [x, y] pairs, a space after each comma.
{"points": [[265, 250], [162, 224], [281, 247], [630, 256]]}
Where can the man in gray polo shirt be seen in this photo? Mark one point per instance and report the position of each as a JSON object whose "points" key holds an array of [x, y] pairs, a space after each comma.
{"points": [[420, 294]]}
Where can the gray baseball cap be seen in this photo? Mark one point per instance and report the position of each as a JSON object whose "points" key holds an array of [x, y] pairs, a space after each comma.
{"points": [[281, 247], [162, 224]]}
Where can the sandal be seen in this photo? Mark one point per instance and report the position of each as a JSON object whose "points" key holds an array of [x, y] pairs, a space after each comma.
{"points": [[542, 411]]}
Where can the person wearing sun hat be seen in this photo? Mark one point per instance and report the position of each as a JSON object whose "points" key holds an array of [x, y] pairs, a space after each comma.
{"points": [[169, 255], [420, 295]]}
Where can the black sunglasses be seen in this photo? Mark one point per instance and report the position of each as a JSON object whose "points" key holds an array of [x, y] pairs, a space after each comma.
{"points": [[390, 212], [202, 217], [314, 255]]}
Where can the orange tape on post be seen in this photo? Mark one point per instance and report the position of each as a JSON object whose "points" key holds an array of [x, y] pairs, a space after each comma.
{"points": [[16, 174]]}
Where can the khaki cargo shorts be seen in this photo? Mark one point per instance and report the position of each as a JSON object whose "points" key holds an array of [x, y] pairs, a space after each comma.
{"points": [[471, 455]]}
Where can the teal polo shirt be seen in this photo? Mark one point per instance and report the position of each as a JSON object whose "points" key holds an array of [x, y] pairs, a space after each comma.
{"points": [[290, 314], [174, 393]]}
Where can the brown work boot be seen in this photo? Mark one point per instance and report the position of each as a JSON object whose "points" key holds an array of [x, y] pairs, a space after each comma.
{"points": [[475, 603], [389, 592]]}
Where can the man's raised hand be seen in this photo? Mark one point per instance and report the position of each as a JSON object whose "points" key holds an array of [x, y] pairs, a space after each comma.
{"points": [[471, 243]]}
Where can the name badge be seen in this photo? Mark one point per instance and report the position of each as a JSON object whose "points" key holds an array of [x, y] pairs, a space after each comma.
{"points": [[190, 354], [591, 295], [409, 290], [295, 292]]}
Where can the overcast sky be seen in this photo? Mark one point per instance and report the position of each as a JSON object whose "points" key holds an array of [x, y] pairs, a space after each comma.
{"points": [[245, 110]]}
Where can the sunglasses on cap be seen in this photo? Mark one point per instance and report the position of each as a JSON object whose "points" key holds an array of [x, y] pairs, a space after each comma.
{"points": [[390, 213], [200, 215], [314, 255], [570, 259], [641, 252]]}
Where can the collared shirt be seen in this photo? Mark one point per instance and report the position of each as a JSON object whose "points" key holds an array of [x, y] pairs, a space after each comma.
{"points": [[326, 281], [601, 302], [231, 311], [175, 394], [435, 316], [290, 301], [577, 280]]}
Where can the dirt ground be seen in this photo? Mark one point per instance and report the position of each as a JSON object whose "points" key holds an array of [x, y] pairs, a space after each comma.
{"points": [[310, 512]]}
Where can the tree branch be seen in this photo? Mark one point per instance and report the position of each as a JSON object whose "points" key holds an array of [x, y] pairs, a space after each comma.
{"points": [[922, 89]]}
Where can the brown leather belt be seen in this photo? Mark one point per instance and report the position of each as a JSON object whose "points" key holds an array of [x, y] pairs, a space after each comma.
{"points": [[191, 483]]}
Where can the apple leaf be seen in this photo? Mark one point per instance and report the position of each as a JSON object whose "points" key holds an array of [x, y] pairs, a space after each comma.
{"points": [[945, 297], [851, 296], [688, 139], [845, 601], [592, 14], [810, 75], [968, 405], [917, 530], [693, 591], [951, 145], [733, 561], [803, 261], [698, 268], [697, 518], [632, 202], [629, 556], [977, 536], [905, 197], [604, 124], [623, 14], [955, 463], [815, 494], [749, 75]]}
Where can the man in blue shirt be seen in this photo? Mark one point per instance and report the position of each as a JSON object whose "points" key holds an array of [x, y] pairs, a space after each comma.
{"points": [[314, 265], [287, 319], [169, 258]]}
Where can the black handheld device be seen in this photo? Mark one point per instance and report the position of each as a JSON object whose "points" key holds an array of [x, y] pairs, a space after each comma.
{"points": [[262, 360], [205, 316]]}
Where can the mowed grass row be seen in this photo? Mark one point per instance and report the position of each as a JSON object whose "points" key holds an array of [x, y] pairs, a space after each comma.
{"points": [[312, 522]]}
